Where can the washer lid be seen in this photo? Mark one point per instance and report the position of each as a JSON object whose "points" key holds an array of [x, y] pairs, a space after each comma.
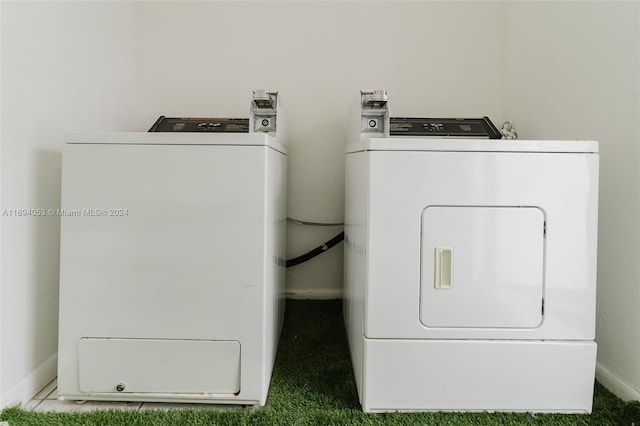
{"points": [[471, 145], [192, 138]]}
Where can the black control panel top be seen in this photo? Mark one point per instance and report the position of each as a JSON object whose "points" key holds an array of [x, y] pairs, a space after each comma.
{"points": [[444, 127], [218, 125]]}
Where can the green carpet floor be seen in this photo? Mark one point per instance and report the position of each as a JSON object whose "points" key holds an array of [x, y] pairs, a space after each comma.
{"points": [[313, 384]]}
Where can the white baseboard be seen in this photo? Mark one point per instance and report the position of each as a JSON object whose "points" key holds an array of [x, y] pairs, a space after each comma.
{"points": [[314, 294], [616, 385], [28, 387]]}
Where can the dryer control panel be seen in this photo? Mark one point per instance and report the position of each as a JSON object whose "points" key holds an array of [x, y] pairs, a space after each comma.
{"points": [[370, 118], [444, 127]]}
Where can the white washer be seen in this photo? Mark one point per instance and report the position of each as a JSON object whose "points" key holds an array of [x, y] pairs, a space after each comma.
{"points": [[470, 273], [175, 292]]}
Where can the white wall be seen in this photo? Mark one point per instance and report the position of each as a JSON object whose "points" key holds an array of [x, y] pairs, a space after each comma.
{"points": [[572, 71], [204, 58], [65, 66]]}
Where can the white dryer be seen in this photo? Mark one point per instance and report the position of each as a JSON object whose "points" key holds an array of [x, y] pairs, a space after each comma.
{"points": [[470, 270], [172, 261]]}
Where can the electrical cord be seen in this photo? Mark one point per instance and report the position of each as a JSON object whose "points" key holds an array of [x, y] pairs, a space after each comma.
{"points": [[316, 251]]}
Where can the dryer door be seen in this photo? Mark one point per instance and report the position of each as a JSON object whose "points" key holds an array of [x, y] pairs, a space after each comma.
{"points": [[482, 267]]}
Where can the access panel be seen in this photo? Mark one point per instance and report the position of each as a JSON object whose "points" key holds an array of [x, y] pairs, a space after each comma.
{"points": [[158, 366], [482, 267]]}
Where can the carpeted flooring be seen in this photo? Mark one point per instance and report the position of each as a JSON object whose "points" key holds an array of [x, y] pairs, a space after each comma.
{"points": [[313, 384]]}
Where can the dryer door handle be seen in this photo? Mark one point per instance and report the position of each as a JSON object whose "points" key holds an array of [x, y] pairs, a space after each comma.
{"points": [[443, 267]]}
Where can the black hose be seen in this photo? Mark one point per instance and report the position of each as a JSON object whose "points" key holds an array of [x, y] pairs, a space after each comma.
{"points": [[316, 251]]}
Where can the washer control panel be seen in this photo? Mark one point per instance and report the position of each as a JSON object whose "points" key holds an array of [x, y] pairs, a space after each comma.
{"points": [[220, 125]]}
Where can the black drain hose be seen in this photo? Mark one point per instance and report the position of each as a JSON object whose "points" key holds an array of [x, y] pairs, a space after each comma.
{"points": [[316, 251]]}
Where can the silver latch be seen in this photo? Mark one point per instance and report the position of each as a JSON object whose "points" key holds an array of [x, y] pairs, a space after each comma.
{"points": [[264, 112], [374, 99], [263, 100], [374, 113]]}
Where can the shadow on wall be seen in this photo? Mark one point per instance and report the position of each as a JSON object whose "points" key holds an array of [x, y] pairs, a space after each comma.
{"points": [[44, 263]]}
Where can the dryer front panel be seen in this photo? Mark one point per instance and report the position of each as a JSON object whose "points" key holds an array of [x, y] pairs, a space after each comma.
{"points": [[481, 266], [513, 228]]}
